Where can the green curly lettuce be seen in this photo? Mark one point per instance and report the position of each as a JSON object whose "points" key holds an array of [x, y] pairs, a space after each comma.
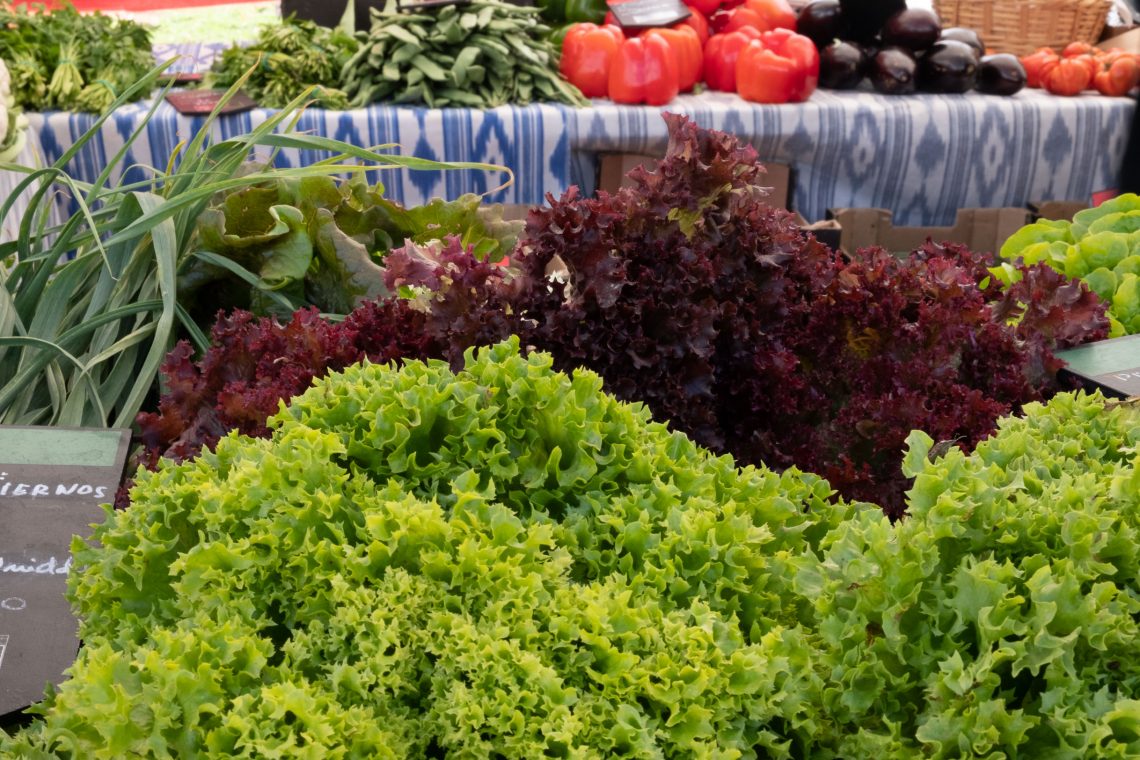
{"points": [[507, 562], [1100, 246], [504, 560]]}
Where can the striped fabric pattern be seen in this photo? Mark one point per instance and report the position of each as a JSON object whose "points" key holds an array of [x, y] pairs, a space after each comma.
{"points": [[922, 156], [532, 141]]}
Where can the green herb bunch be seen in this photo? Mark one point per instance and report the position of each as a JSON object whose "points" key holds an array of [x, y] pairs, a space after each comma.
{"points": [[481, 54], [62, 59], [286, 59]]}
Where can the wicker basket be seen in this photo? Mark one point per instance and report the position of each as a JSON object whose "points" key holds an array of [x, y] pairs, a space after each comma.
{"points": [[1022, 26]]}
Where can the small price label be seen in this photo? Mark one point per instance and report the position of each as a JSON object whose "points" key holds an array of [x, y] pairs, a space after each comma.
{"points": [[415, 5], [203, 102], [645, 14]]}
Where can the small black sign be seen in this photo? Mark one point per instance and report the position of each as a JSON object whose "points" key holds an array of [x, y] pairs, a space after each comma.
{"points": [[415, 5], [52, 483], [645, 14], [203, 102], [1113, 366]]}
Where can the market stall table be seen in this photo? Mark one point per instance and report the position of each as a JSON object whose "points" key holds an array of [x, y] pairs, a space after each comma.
{"points": [[921, 156]]}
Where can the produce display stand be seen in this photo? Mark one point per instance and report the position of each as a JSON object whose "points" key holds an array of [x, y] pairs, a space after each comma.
{"points": [[921, 156]]}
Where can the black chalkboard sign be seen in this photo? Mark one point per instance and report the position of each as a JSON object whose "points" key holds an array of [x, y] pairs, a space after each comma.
{"points": [[1113, 366], [52, 483], [203, 102], [646, 14]]}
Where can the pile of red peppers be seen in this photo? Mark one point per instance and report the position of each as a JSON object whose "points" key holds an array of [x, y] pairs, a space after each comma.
{"points": [[745, 46]]}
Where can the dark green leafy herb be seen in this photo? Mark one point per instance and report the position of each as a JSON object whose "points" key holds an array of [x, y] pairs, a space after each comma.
{"points": [[70, 61], [288, 58], [481, 55]]}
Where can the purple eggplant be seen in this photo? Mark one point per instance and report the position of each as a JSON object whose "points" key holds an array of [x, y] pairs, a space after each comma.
{"points": [[949, 67], [841, 66], [914, 29], [1000, 74], [820, 21], [893, 72]]}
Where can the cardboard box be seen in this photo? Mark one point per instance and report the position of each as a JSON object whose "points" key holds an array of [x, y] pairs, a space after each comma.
{"points": [[613, 168], [982, 229], [1056, 210], [1125, 38]]}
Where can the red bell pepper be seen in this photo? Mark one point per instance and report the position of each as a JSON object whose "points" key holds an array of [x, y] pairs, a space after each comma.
{"points": [[721, 53], [698, 23], [687, 53], [780, 67], [723, 22], [644, 71], [762, 76], [1118, 76], [704, 7], [802, 50], [777, 14], [587, 52]]}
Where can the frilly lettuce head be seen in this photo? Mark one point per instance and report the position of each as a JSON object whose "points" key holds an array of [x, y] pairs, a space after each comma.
{"points": [[1100, 246], [507, 562]]}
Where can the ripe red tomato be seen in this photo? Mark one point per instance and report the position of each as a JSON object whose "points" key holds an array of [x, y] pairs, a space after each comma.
{"points": [[1118, 78], [1077, 48], [1089, 62], [1037, 64], [1068, 77]]}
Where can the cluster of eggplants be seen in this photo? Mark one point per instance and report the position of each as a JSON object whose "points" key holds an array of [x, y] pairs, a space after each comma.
{"points": [[902, 50]]}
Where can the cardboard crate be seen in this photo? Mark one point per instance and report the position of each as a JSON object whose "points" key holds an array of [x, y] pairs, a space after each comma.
{"points": [[1056, 210], [982, 229]]}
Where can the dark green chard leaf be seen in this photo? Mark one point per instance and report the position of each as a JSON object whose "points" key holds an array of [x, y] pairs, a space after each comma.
{"points": [[271, 231], [285, 60], [344, 275]]}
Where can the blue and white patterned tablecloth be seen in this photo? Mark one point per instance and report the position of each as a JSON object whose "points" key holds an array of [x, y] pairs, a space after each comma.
{"points": [[533, 141], [922, 156]]}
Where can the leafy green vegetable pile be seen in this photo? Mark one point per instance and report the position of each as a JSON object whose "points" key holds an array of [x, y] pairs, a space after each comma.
{"points": [[1100, 246], [508, 562], [482, 54], [287, 59], [316, 241], [70, 61]]}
